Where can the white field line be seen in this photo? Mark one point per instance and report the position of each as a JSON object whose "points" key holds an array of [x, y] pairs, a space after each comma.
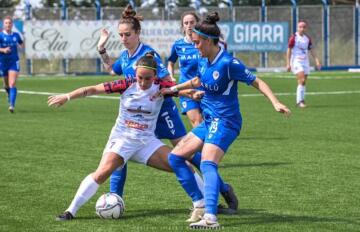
{"points": [[310, 77], [241, 95]]}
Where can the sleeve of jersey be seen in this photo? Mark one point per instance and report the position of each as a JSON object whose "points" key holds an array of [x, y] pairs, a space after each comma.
{"points": [[291, 43], [173, 55], [20, 39], [118, 86], [310, 46], [161, 69], [116, 67], [238, 71]]}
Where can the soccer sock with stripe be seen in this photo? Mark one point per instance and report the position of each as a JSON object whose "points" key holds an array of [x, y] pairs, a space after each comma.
{"points": [[117, 181], [87, 189]]}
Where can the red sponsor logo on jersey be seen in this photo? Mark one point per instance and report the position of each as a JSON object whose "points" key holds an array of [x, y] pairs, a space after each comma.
{"points": [[136, 125]]}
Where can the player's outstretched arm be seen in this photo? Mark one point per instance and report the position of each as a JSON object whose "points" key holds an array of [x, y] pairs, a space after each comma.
{"points": [[61, 99], [265, 89], [104, 36], [190, 84]]}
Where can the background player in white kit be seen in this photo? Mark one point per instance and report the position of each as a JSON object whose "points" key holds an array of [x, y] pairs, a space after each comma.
{"points": [[132, 137], [297, 60]]}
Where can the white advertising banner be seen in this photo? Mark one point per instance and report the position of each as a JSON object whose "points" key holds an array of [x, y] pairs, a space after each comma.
{"points": [[78, 39]]}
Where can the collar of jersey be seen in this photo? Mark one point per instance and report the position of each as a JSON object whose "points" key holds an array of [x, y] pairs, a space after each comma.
{"points": [[7, 33], [136, 51], [187, 41], [217, 56]]}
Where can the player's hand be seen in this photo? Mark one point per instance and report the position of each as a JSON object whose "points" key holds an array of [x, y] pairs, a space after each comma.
{"points": [[7, 50], [57, 100], [195, 94], [281, 108], [288, 68], [104, 36]]}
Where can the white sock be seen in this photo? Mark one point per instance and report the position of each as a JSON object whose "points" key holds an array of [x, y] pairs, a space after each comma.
{"points": [[303, 90], [87, 189], [199, 182], [199, 203], [298, 94], [210, 217]]}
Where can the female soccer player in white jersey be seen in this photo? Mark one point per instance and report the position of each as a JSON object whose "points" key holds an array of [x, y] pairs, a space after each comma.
{"points": [[9, 59], [185, 51], [297, 60], [169, 124], [218, 74], [132, 137]]}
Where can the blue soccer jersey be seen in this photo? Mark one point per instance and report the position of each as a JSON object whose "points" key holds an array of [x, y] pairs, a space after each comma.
{"points": [[188, 57], [10, 40], [219, 79], [169, 124]]}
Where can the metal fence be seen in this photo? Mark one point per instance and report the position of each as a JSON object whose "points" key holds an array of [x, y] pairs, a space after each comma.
{"points": [[342, 47]]}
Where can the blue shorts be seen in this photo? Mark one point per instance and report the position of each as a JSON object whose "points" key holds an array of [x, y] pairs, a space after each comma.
{"points": [[169, 124], [188, 104], [217, 132], [6, 66]]}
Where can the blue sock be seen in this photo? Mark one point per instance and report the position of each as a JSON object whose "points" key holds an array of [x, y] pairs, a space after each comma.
{"points": [[185, 177], [209, 170], [196, 160], [12, 96], [117, 181]]}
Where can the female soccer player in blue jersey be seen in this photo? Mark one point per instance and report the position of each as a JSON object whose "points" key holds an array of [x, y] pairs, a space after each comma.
{"points": [[184, 50], [188, 55], [9, 59], [219, 74]]}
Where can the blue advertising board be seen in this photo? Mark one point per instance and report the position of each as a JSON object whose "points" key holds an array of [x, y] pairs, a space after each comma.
{"points": [[256, 36]]}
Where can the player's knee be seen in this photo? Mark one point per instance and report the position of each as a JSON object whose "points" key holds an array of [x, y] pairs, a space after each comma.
{"points": [[100, 176], [175, 161]]}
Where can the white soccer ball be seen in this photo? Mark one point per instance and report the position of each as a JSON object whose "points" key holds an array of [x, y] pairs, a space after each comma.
{"points": [[110, 206]]}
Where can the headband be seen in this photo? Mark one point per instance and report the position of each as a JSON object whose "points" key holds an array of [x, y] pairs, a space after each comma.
{"points": [[144, 66], [205, 35]]}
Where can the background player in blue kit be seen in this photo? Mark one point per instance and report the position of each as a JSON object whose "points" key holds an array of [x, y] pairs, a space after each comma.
{"points": [[9, 59], [219, 73], [184, 50]]}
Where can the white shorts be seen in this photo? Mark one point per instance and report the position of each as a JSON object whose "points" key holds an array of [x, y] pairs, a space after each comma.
{"points": [[300, 66], [133, 149]]}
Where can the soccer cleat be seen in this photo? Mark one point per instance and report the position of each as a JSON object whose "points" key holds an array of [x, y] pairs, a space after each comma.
{"points": [[231, 200], [221, 209], [205, 224], [301, 104], [196, 214], [11, 109], [66, 216]]}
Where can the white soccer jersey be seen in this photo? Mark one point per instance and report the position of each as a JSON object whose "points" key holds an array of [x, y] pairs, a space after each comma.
{"points": [[138, 111], [300, 45]]}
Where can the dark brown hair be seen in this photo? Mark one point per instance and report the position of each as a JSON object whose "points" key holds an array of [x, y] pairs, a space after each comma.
{"points": [[148, 61], [129, 16], [208, 26]]}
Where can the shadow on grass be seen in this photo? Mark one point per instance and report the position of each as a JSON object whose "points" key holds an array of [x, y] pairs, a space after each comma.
{"points": [[260, 216], [242, 165], [141, 213], [263, 138]]}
